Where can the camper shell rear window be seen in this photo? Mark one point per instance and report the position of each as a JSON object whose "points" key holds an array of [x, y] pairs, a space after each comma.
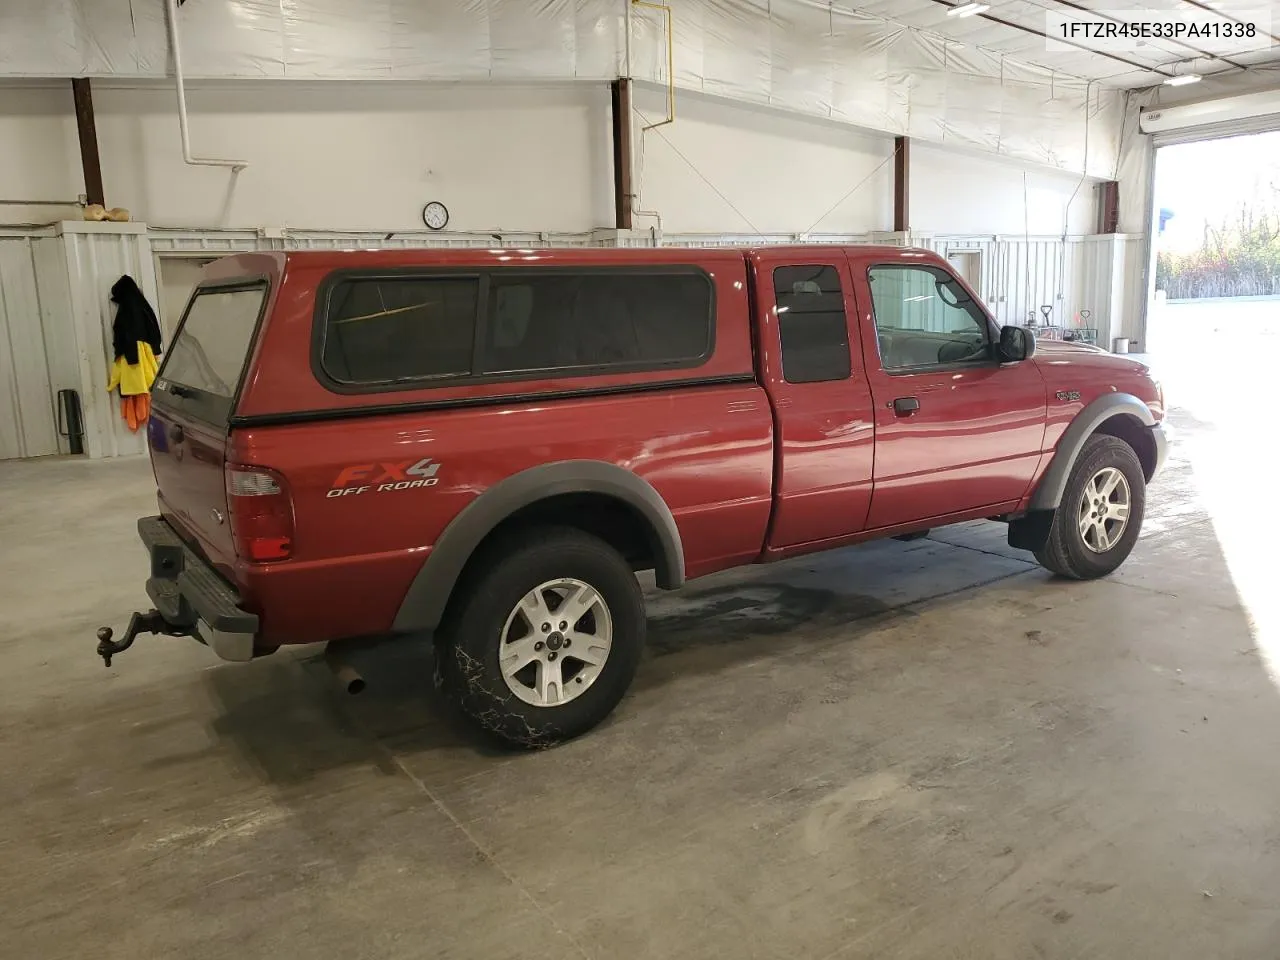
{"points": [[206, 362]]}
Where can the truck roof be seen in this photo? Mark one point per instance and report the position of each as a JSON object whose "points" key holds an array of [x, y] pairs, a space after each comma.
{"points": [[336, 259]]}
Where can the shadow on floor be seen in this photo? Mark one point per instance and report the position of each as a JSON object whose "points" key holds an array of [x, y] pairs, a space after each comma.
{"points": [[290, 721]]}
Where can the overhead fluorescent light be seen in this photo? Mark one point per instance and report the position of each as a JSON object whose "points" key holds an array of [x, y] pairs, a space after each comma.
{"points": [[1183, 80], [968, 9]]}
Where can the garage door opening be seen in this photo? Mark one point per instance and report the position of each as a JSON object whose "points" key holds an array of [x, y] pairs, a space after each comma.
{"points": [[1215, 289]]}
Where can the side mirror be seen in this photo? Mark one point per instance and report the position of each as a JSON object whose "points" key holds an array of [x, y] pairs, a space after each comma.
{"points": [[1016, 344]]}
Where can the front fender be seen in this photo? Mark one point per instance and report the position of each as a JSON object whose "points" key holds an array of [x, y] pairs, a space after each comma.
{"points": [[424, 602], [1048, 493]]}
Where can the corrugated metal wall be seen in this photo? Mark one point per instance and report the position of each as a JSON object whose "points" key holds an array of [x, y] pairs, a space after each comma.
{"points": [[58, 325], [1102, 275], [1110, 281], [97, 255], [215, 242], [1133, 321], [767, 239], [1019, 276], [1093, 285], [56, 314], [27, 415]]}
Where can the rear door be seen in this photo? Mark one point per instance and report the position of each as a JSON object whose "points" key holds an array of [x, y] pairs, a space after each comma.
{"points": [[812, 369], [956, 429], [192, 401]]}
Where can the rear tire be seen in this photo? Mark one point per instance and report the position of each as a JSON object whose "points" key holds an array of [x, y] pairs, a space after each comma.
{"points": [[1100, 516], [546, 640]]}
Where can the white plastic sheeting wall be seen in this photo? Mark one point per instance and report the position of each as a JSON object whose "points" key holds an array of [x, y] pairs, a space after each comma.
{"points": [[831, 60], [39, 152], [953, 190], [368, 156], [811, 56], [363, 156], [357, 156], [735, 168]]}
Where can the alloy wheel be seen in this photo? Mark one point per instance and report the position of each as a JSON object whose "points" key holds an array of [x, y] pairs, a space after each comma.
{"points": [[555, 642], [1104, 510]]}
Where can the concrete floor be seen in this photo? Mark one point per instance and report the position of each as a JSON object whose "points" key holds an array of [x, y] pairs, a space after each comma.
{"points": [[926, 749]]}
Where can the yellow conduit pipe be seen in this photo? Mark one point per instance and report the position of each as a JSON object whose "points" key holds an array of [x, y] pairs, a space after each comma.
{"points": [[671, 61]]}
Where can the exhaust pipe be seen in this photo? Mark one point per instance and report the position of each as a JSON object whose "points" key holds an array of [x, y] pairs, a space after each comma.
{"points": [[347, 675]]}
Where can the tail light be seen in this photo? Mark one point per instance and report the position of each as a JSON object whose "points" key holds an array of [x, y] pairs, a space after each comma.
{"points": [[261, 513]]}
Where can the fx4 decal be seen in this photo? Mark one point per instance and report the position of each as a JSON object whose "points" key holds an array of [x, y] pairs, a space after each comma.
{"points": [[1068, 395], [381, 477]]}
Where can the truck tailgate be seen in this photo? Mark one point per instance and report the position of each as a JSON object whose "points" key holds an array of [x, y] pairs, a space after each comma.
{"points": [[193, 398]]}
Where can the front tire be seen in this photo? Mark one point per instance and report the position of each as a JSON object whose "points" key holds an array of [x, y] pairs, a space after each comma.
{"points": [[546, 640], [1100, 516]]}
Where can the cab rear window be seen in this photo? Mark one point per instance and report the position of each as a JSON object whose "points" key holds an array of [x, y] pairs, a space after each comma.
{"points": [[207, 358]]}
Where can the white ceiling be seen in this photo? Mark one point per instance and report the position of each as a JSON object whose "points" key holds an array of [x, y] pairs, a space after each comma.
{"points": [[1151, 64]]}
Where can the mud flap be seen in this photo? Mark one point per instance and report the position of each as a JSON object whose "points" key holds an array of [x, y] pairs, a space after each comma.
{"points": [[1031, 530]]}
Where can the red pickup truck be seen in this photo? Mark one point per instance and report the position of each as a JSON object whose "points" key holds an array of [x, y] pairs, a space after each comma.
{"points": [[484, 446]]}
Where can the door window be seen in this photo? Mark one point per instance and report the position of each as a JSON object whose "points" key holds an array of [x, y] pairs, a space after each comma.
{"points": [[925, 318], [811, 324]]}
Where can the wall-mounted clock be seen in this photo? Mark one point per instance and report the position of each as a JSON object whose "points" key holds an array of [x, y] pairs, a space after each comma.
{"points": [[435, 215]]}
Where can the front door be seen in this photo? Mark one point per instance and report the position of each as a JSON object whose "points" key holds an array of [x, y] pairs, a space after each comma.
{"points": [[956, 429]]}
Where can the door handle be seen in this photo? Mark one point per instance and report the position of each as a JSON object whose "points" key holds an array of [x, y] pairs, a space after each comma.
{"points": [[177, 434], [905, 406]]}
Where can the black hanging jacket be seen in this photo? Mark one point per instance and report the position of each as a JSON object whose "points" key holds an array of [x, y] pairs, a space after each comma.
{"points": [[135, 320]]}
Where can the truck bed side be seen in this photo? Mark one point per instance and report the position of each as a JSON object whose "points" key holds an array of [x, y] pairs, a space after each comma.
{"points": [[701, 438]]}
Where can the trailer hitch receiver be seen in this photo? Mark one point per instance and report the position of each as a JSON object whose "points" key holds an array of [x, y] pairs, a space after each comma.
{"points": [[150, 622]]}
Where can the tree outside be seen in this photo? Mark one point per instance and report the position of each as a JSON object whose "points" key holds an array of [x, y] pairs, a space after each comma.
{"points": [[1218, 225]]}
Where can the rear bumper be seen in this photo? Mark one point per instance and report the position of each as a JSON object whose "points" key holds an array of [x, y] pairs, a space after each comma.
{"points": [[190, 595]]}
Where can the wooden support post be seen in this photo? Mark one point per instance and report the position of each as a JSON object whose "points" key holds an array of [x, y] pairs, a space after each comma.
{"points": [[1109, 207], [901, 184], [82, 93], [622, 193]]}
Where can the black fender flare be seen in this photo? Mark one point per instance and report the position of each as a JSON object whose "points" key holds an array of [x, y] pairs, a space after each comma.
{"points": [[425, 601], [1048, 493]]}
